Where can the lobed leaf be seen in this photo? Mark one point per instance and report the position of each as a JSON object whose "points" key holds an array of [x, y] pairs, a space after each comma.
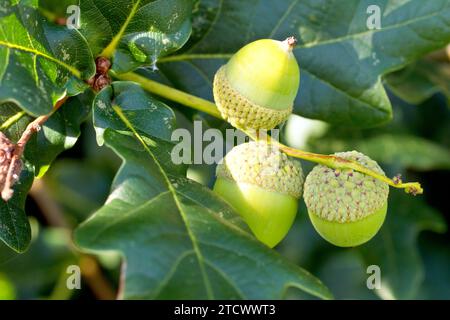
{"points": [[38, 59], [342, 61], [59, 133], [147, 114], [178, 239], [132, 33]]}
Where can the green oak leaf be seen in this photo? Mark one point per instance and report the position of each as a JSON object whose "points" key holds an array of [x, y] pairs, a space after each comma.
{"points": [[11, 111], [342, 62], [180, 241], [171, 230], [148, 115], [134, 33], [38, 59], [15, 229], [59, 133], [46, 60]]}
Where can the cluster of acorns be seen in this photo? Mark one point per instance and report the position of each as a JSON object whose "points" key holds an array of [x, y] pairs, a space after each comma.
{"points": [[256, 89]]}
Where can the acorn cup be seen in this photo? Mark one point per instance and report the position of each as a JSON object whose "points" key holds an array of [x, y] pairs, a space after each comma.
{"points": [[263, 185], [347, 208], [256, 89]]}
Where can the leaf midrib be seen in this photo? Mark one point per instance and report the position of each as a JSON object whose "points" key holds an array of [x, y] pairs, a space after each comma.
{"points": [[173, 192], [283, 18], [111, 47], [353, 36], [245, 234], [14, 46]]}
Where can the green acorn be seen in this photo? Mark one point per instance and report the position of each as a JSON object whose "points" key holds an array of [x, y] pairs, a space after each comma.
{"points": [[263, 185], [347, 208], [256, 89]]}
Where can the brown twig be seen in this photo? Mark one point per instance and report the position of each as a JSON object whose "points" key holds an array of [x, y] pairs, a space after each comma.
{"points": [[92, 273], [14, 155], [336, 162], [9, 167]]}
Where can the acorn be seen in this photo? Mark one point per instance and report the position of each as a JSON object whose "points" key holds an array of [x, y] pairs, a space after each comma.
{"points": [[263, 185], [347, 208], [256, 89]]}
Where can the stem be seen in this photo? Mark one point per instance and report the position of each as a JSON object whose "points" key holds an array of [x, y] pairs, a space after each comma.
{"points": [[210, 108], [172, 94], [15, 163], [8, 123], [340, 163], [36, 124], [290, 43]]}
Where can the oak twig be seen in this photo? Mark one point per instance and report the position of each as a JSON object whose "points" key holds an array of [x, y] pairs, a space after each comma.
{"points": [[336, 162], [210, 108], [11, 154]]}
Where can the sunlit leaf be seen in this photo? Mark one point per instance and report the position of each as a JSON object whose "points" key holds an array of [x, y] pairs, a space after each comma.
{"points": [[38, 59], [341, 60]]}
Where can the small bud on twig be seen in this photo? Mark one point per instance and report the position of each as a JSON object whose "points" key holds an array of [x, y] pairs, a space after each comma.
{"points": [[102, 65], [101, 78]]}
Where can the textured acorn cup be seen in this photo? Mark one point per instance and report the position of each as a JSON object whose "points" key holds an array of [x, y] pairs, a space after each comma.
{"points": [[256, 89], [263, 185], [347, 208]]}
